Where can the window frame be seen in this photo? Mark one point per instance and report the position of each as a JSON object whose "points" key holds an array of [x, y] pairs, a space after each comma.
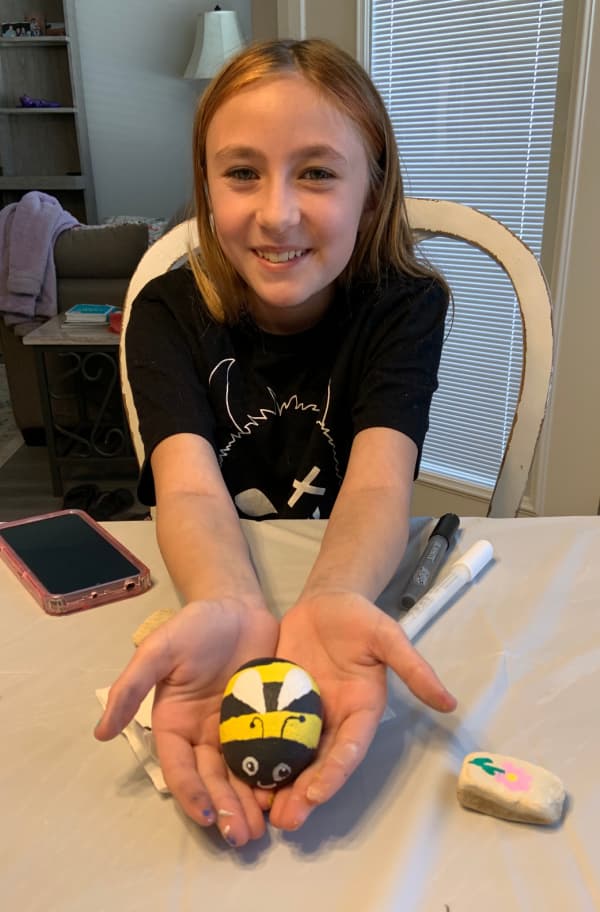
{"points": [[569, 447]]}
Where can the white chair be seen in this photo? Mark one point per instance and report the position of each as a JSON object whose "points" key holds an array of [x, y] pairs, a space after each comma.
{"points": [[430, 218]]}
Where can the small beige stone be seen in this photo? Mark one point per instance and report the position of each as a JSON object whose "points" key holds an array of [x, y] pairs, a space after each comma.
{"points": [[155, 620], [510, 788]]}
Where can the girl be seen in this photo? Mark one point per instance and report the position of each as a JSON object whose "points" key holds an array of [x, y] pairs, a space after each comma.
{"points": [[287, 371]]}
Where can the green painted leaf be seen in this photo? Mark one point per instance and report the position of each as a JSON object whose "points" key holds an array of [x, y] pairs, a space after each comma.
{"points": [[487, 765]]}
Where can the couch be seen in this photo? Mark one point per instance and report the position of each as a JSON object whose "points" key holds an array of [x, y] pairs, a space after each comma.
{"points": [[93, 265]]}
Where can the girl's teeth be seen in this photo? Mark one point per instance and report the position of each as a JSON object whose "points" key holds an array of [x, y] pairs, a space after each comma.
{"points": [[281, 257]]}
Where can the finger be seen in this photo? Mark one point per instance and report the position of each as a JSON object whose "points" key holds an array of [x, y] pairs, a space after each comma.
{"points": [[253, 810], [235, 818], [125, 697], [393, 647], [320, 781], [264, 798], [150, 663], [178, 764]]}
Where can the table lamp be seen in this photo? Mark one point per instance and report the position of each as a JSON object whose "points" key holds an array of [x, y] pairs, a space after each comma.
{"points": [[218, 37]]}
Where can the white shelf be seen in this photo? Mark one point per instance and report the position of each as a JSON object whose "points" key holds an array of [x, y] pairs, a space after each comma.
{"points": [[42, 182], [32, 42], [29, 111]]}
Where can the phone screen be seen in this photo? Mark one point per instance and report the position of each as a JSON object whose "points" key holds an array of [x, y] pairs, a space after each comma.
{"points": [[67, 554]]}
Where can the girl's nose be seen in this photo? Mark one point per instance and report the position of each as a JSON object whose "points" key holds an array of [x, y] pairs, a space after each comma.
{"points": [[277, 208]]}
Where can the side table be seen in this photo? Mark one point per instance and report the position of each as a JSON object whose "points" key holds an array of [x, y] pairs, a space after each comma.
{"points": [[85, 385]]}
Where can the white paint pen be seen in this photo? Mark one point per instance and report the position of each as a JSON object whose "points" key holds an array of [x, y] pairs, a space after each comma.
{"points": [[463, 571]]}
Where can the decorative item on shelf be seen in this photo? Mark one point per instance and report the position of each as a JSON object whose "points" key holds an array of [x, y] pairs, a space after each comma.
{"points": [[28, 102], [37, 24], [218, 37], [16, 29], [56, 29]]}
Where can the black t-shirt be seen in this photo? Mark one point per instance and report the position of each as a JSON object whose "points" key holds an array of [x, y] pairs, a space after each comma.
{"points": [[281, 411]]}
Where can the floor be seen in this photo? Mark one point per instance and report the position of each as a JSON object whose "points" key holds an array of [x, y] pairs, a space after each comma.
{"points": [[26, 490]]}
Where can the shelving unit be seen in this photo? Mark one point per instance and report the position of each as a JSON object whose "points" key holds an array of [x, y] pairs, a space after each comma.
{"points": [[44, 148]]}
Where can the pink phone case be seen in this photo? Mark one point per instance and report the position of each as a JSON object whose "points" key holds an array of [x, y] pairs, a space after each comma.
{"points": [[119, 586]]}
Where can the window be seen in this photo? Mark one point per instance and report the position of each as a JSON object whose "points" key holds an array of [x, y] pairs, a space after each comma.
{"points": [[470, 87]]}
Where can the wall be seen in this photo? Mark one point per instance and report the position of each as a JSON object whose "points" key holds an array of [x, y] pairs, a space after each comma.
{"points": [[139, 108], [335, 20]]}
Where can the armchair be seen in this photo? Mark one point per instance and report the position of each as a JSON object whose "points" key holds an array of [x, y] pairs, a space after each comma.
{"points": [[93, 265]]}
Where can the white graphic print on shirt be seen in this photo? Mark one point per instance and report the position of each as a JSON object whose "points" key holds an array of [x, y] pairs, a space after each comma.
{"points": [[311, 480]]}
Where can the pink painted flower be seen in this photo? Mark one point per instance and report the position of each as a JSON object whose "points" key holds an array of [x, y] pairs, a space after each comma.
{"points": [[515, 778]]}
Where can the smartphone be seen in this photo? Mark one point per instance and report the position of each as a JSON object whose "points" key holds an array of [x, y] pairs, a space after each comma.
{"points": [[68, 562]]}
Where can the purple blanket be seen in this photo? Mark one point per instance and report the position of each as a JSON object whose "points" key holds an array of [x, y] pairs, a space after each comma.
{"points": [[28, 232]]}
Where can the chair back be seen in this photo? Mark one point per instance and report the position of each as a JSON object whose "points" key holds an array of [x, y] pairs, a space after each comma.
{"points": [[157, 260], [435, 218], [428, 218]]}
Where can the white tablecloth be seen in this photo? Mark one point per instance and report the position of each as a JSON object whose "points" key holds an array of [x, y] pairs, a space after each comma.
{"points": [[84, 829]]}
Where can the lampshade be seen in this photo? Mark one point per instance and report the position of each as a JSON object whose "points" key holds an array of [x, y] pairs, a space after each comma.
{"points": [[218, 37]]}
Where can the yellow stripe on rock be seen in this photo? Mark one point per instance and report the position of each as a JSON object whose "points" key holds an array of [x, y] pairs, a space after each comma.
{"points": [[238, 728]]}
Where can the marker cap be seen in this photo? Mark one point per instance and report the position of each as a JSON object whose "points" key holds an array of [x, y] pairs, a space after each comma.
{"points": [[447, 526], [475, 559]]}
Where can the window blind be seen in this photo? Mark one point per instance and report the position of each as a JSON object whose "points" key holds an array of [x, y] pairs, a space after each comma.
{"points": [[470, 87]]}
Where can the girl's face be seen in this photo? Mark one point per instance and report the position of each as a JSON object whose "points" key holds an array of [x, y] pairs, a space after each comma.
{"points": [[287, 180]]}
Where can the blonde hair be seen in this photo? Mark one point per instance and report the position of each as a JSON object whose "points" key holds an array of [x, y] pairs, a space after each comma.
{"points": [[384, 243]]}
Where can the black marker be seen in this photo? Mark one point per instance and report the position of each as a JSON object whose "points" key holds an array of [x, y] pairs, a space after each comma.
{"points": [[430, 560]]}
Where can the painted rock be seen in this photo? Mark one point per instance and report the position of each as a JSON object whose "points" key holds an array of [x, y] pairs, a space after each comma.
{"points": [[271, 721], [510, 788]]}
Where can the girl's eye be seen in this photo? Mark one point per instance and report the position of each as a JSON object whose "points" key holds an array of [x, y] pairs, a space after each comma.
{"points": [[241, 174], [317, 174]]}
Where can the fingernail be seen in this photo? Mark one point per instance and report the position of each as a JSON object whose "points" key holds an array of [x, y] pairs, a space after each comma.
{"points": [[300, 820], [270, 800], [227, 836], [208, 814]]}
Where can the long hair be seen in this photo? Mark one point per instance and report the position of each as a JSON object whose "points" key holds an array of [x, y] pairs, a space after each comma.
{"points": [[384, 243]]}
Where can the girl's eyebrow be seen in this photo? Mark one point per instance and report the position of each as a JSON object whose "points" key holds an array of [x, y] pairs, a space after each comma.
{"points": [[247, 153]]}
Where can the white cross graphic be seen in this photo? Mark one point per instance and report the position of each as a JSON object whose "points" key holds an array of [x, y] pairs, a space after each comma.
{"points": [[305, 487]]}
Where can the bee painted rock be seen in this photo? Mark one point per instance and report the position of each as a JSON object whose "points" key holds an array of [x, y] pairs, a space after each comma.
{"points": [[271, 721]]}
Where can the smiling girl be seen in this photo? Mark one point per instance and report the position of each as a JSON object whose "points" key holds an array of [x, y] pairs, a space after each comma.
{"points": [[286, 372]]}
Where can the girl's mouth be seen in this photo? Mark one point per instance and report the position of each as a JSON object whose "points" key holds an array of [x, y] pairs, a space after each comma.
{"points": [[281, 256]]}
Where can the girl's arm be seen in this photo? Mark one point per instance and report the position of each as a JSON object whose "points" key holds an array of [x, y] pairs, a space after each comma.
{"points": [[367, 532], [190, 658], [198, 529], [336, 632]]}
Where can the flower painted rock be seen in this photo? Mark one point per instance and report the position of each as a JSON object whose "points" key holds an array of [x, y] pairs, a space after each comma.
{"points": [[510, 788], [271, 720]]}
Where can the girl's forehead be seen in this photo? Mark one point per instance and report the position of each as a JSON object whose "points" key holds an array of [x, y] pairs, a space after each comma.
{"points": [[287, 98]]}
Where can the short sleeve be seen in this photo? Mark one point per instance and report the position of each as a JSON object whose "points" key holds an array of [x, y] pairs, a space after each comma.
{"points": [[400, 368], [163, 372]]}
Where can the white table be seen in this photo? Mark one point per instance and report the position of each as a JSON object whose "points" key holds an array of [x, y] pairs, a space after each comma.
{"points": [[83, 828]]}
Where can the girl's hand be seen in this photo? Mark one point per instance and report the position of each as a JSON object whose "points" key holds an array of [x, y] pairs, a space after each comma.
{"points": [[346, 642], [190, 659]]}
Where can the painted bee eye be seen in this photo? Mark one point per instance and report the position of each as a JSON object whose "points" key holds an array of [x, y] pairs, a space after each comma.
{"points": [[281, 772], [250, 766]]}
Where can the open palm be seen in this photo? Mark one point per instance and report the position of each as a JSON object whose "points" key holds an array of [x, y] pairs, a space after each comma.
{"points": [[346, 643], [190, 660]]}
